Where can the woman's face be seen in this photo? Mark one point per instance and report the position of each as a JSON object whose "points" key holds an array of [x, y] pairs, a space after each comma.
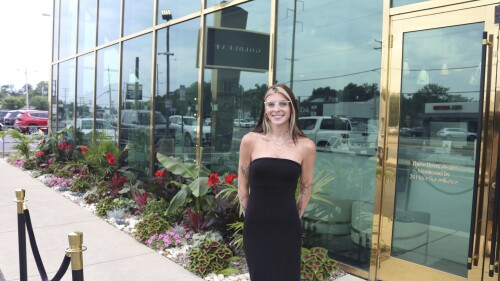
{"points": [[277, 109]]}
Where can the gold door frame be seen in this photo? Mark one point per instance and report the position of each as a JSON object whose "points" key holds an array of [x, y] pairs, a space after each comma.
{"points": [[383, 266]]}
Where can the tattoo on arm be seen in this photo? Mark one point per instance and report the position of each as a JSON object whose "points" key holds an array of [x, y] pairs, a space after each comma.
{"points": [[305, 192], [244, 171]]}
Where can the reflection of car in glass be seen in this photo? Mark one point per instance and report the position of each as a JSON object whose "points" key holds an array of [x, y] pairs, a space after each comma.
{"points": [[30, 121], [333, 132], [456, 133], [136, 124], [411, 132], [186, 127], [2, 115], [10, 117], [242, 123], [84, 125]]}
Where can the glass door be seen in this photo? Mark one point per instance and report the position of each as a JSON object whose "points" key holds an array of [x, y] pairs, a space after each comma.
{"points": [[439, 146]]}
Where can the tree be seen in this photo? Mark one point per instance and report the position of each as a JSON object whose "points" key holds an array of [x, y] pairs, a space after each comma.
{"points": [[12, 103], [40, 102]]}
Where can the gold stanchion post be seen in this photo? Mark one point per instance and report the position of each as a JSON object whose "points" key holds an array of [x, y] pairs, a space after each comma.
{"points": [[76, 251], [21, 233]]}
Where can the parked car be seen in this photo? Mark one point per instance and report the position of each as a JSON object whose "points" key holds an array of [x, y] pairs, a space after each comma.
{"points": [[2, 115], [456, 134], [136, 123], [84, 125], [30, 121], [242, 123], [186, 127], [10, 118]]}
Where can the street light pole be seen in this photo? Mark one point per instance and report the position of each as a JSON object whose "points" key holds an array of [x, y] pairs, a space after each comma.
{"points": [[26, 89], [167, 15]]}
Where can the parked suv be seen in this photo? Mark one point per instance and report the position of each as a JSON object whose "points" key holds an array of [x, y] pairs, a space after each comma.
{"points": [[328, 131], [10, 118], [30, 121], [456, 133], [136, 123], [186, 127]]}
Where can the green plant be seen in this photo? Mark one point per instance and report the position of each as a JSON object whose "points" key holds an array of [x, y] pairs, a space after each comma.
{"points": [[237, 237], [102, 158], [23, 142], [198, 238], [82, 184], [211, 256], [152, 224], [316, 265], [108, 204], [194, 189]]}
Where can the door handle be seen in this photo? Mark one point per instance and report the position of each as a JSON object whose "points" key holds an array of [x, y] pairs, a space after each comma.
{"points": [[494, 230], [486, 55]]}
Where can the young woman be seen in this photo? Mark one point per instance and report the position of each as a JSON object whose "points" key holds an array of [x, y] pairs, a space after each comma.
{"points": [[274, 158]]}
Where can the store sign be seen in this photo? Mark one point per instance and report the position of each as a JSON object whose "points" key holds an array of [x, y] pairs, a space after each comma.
{"points": [[134, 91], [237, 49], [447, 107]]}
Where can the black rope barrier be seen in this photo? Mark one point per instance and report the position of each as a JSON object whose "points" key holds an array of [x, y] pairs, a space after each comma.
{"points": [[34, 247], [62, 269], [73, 253]]}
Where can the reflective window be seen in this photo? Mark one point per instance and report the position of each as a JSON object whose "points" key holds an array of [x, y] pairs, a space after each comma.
{"points": [[397, 3], [330, 56], [69, 10], [235, 80], [55, 32], [85, 99], [109, 21], [53, 107], [177, 89], [66, 100], [138, 15], [177, 8], [87, 25], [438, 136], [136, 102], [107, 86]]}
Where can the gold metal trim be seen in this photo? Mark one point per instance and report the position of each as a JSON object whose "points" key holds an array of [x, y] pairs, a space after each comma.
{"points": [[75, 250]]}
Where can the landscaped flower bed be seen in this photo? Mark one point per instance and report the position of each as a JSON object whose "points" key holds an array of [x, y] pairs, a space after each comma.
{"points": [[185, 212]]}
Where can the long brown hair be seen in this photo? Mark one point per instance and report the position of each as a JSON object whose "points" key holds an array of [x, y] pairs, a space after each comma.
{"points": [[263, 125]]}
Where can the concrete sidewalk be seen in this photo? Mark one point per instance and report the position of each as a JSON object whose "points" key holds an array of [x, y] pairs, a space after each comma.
{"points": [[111, 254]]}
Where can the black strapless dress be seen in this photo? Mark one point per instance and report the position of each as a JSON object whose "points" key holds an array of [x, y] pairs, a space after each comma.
{"points": [[272, 232]]}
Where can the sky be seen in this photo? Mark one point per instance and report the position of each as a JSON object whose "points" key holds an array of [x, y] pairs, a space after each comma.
{"points": [[26, 41]]}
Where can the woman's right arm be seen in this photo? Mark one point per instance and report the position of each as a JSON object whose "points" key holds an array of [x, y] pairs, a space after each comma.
{"points": [[243, 168]]}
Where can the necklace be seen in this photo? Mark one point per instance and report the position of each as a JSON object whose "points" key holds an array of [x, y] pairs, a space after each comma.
{"points": [[278, 145]]}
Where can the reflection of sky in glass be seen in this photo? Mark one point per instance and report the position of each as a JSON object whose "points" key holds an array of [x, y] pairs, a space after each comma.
{"points": [[397, 3], [87, 18], [107, 77], [137, 15], [68, 28], [67, 86], [177, 8], [183, 42], [334, 44], [451, 46], [138, 48], [109, 21], [85, 85]]}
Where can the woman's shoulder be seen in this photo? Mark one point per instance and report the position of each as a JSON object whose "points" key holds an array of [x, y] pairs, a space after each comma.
{"points": [[306, 143], [251, 137]]}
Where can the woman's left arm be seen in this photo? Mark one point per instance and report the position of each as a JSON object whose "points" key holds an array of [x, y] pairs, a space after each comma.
{"points": [[306, 176]]}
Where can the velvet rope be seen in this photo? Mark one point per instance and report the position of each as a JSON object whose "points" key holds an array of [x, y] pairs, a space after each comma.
{"points": [[34, 247]]}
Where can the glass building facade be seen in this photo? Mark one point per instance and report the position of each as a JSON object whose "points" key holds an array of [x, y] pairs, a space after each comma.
{"points": [[187, 79]]}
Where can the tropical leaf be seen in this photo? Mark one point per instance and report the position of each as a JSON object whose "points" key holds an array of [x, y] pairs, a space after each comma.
{"points": [[179, 199]]}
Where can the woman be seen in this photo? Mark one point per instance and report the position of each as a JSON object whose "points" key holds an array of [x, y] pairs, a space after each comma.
{"points": [[274, 157]]}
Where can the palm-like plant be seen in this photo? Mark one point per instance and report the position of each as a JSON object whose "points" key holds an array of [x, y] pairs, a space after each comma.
{"points": [[23, 142]]}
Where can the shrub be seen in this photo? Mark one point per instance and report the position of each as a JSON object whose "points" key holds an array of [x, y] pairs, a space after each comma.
{"points": [[107, 204], [82, 184], [211, 256], [316, 264], [151, 225]]}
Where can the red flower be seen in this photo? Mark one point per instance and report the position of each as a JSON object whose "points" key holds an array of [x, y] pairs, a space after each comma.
{"points": [[39, 154], [230, 178], [62, 145], [213, 179], [160, 173], [84, 149], [68, 147], [111, 159]]}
